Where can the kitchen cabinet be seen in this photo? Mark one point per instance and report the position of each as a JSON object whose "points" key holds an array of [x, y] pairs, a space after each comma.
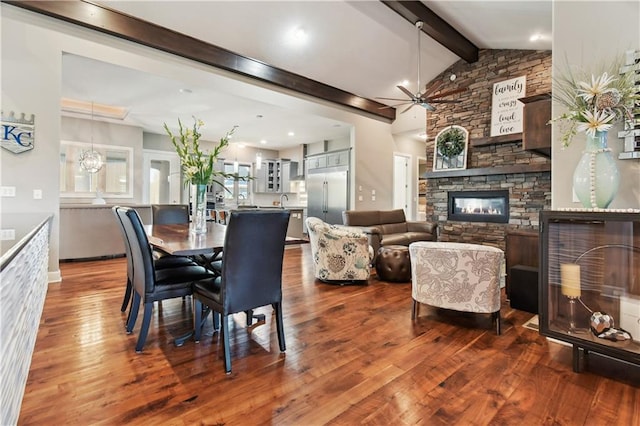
{"points": [[590, 286], [273, 176], [536, 131]]}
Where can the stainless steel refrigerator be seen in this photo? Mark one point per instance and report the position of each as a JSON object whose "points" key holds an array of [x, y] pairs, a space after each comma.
{"points": [[328, 193]]}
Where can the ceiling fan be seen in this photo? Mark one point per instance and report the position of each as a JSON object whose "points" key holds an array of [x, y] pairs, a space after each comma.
{"points": [[424, 99]]}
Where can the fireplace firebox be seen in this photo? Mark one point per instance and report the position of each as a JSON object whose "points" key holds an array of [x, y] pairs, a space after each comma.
{"points": [[479, 206]]}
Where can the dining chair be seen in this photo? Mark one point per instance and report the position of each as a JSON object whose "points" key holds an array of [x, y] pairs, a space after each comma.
{"points": [[167, 261], [168, 214], [150, 284], [251, 273]]}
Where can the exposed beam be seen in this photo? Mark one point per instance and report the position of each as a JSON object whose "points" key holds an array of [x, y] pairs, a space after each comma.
{"points": [[436, 28], [103, 19]]}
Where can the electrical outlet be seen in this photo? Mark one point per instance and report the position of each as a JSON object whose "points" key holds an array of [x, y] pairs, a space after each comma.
{"points": [[360, 198], [373, 198], [37, 194], [8, 191], [7, 234]]}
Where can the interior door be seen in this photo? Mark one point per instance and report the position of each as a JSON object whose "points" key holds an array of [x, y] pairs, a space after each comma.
{"points": [[401, 184], [161, 178]]}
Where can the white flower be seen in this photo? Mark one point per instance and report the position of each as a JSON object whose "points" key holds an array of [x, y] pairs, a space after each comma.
{"points": [[598, 86], [598, 121]]}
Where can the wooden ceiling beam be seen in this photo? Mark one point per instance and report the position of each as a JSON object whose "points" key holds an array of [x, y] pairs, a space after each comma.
{"points": [[435, 27], [105, 20]]}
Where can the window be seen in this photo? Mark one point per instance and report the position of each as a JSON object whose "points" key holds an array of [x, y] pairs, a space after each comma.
{"points": [[114, 179], [238, 189]]}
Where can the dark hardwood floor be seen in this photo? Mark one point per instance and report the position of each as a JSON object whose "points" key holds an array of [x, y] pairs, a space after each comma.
{"points": [[353, 357]]}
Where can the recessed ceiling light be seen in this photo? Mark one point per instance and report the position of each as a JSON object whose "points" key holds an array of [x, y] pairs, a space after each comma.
{"points": [[291, 134], [536, 37], [298, 35], [403, 83], [263, 142], [185, 91]]}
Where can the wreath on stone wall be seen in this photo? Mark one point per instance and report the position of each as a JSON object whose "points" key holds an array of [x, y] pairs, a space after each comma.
{"points": [[451, 142]]}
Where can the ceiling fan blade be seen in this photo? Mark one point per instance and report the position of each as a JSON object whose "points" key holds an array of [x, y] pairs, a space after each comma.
{"points": [[448, 92], [433, 88], [406, 92], [444, 101], [408, 108], [392, 99], [427, 106]]}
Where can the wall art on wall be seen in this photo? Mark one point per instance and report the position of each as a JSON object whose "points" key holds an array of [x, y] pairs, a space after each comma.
{"points": [[18, 134], [450, 149], [506, 111]]}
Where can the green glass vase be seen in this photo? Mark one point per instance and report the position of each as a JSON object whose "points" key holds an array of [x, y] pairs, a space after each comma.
{"points": [[596, 178]]}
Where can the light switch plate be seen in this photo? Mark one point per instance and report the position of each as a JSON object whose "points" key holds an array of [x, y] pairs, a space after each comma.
{"points": [[8, 191], [37, 194], [7, 234]]}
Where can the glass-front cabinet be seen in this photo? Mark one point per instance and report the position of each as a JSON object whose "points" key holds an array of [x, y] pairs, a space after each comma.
{"points": [[590, 282]]}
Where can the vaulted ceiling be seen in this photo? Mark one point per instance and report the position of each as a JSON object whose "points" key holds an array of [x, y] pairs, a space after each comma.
{"points": [[364, 49]]}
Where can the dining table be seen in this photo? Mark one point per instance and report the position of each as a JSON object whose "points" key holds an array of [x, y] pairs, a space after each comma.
{"points": [[178, 239]]}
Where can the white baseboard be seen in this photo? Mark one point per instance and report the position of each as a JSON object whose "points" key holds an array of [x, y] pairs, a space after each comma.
{"points": [[54, 276]]}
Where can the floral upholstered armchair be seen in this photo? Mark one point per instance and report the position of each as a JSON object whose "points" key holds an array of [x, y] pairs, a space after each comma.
{"points": [[339, 253], [458, 276]]}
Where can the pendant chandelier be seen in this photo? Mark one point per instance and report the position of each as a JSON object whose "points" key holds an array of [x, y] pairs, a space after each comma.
{"points": [[91, 160]]}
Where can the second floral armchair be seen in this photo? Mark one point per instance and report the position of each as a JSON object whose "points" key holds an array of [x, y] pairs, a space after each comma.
{"points": [[340, 254]]}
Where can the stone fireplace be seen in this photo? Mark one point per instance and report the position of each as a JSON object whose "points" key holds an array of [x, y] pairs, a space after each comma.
{"points": [[478, 206]]}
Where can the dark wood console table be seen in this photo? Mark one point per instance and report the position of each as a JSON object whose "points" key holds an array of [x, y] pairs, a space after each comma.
{"points": [[590, 265]]}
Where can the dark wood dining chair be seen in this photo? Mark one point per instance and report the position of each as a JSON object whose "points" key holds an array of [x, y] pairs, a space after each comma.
{"points": [[251, 273], [150, 284]]}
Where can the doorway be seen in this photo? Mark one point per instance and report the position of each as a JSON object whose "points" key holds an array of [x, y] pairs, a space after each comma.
{"points": [[161, 178], [402, 184]]}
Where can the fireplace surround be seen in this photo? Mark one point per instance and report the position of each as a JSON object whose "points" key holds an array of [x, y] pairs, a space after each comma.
{"points": [[478, 206]]}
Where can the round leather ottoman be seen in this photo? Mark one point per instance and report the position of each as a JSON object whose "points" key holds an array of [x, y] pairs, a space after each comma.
{"points": [[393, 263]]}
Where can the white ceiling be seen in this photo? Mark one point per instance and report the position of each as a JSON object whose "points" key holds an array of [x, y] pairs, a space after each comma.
{"points": [[362, 47]]}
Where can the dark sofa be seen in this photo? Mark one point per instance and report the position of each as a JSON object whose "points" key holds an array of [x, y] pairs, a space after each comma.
{"points": [[387, 227]]}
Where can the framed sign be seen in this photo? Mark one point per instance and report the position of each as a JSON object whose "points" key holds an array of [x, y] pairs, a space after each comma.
{"points": [[506, 111], [18, 134], [450, 149]]}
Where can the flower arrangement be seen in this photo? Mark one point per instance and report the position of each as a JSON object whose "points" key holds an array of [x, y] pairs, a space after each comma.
{"points": [[596, 106], [198, 167]]}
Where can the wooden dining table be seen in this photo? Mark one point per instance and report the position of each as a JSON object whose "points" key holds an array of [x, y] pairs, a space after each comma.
{"points": [[177, 239]]}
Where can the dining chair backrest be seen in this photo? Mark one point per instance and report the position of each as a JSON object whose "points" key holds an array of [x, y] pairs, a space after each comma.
{"points": [[141, 254], [127, 244], [169, 214], [252, 259]]}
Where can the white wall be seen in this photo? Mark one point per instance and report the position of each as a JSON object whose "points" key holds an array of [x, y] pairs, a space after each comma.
{"points": [[590, 34]]}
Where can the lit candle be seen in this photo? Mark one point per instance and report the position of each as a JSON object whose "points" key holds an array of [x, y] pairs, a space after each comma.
{"points": [[570, 279]]}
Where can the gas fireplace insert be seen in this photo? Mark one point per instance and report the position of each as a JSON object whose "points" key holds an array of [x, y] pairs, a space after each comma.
{"points": [[479, 206]]}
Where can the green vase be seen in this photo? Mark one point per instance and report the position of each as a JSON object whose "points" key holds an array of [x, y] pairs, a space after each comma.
{"points": [[596, 178], [199, 209]]}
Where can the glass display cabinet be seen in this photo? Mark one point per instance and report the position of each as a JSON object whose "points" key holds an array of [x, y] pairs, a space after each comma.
{"points": [[590, 283]]}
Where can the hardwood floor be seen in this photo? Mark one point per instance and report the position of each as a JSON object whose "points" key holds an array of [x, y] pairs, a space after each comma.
{"points": [[353, 356]]}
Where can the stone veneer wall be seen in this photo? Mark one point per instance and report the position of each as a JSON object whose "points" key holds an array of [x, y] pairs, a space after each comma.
{"points": [[528, 192]]}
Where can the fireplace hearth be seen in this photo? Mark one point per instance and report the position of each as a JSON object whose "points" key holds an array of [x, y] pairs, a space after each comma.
{"points": [[478, 206]]}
